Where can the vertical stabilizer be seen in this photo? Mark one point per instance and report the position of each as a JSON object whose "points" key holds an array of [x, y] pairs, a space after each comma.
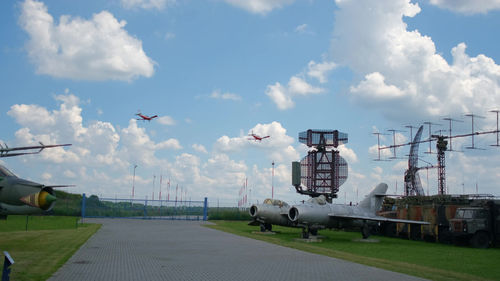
{"points": [[373, 201]]}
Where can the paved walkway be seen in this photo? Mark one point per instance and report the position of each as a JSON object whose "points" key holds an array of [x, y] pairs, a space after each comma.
{"points": [[181, 250]]}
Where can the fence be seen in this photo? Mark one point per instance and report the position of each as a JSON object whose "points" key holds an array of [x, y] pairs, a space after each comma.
{"points": [[94, 207]]}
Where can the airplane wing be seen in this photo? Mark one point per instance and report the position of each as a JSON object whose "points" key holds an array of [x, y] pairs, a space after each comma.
{"points": [[376, 218], [5, 151]]}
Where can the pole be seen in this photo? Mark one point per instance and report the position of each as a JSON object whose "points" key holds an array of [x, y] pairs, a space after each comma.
{"points": [[205, 209], [133, 182], [272, 183], [154, 178], [161, 176]]}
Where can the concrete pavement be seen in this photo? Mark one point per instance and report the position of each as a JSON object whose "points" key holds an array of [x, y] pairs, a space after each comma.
{"points": [[125, 249]]}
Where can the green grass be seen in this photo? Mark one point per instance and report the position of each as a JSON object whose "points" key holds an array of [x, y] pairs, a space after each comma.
{"points": [[428, 260], [20, 223], [46, 246]]}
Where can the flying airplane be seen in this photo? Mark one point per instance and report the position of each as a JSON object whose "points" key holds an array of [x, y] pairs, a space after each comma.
{"points": [[6, 151], [270, 212], [317, 213], [257, 137], [22, 197], [145, 117]]}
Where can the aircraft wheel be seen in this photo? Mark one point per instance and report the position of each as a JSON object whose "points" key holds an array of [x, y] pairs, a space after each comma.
{"points": [[313, 232], [480, 240], [269, 227], [365, 231], [262, 227], [305, 234]]}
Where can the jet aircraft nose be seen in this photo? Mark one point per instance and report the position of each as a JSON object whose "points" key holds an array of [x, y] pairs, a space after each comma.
{"points": [[43, 200]]}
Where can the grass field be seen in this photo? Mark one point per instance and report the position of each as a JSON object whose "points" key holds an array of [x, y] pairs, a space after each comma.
{"points": [[428, 260], [46, 246]]}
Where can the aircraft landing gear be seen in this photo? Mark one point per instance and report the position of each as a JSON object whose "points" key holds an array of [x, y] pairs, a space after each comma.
{"points": [[266, 226], [365, 231], [305, 233], [309, 232]]}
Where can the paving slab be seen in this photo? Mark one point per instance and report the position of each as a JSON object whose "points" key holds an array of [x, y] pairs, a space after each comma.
{"points": [[125, 249]]}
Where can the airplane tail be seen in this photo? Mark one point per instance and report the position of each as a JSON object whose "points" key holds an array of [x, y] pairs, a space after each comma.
{"points": [[373, 201]]}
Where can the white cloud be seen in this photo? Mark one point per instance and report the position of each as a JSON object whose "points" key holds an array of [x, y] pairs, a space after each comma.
{"points": [[404, 76], [374, 87], [224, 96], [259, 6], [166, 120], [278, 144], [147, 4], [95, 49], [348, 154], [46, 176], [98, 153], [199, 148], [101, 158], [301, 28], [299, 86], [169, 144], [467, 6], [320, 70], [282, 96], [169, 35]]}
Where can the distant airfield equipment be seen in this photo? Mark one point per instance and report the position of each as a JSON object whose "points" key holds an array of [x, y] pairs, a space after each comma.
{"points": [[413, 185], [323, 170], [441, 146]]}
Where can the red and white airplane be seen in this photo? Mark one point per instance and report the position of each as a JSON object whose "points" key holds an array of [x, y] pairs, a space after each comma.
{"points": [[145, 117], [257, 137]]}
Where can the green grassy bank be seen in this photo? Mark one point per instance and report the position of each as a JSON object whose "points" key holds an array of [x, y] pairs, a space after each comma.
{"points": [[428, 260], [46, 246]]}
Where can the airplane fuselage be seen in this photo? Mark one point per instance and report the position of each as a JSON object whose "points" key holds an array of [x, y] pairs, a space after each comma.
{"points": [[316, 216]]}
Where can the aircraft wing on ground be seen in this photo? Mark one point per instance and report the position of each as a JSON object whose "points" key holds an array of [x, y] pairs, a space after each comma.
{"points": [[376, 218]]}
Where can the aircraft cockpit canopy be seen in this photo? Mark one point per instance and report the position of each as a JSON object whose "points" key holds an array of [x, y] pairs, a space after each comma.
{"points": [[275, 202], [4, 172]]}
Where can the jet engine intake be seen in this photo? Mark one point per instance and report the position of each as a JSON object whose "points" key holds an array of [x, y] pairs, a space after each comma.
{"points": [[293, 214], [253, 211]]}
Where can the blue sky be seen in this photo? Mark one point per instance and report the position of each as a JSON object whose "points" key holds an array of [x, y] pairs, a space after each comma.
{"points": [[77, 72]]}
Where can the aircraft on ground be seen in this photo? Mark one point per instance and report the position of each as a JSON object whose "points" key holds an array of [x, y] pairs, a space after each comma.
{"points": [[22, 197], [257, 137], [270, 212], [143, 117], [317, 213]]}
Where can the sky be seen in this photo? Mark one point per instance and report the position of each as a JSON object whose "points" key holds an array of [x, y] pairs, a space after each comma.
{"points": [[216, 70]]}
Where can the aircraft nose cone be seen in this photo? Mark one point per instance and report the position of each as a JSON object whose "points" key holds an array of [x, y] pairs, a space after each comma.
{"points": [[45, 200], [50, 198]]}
